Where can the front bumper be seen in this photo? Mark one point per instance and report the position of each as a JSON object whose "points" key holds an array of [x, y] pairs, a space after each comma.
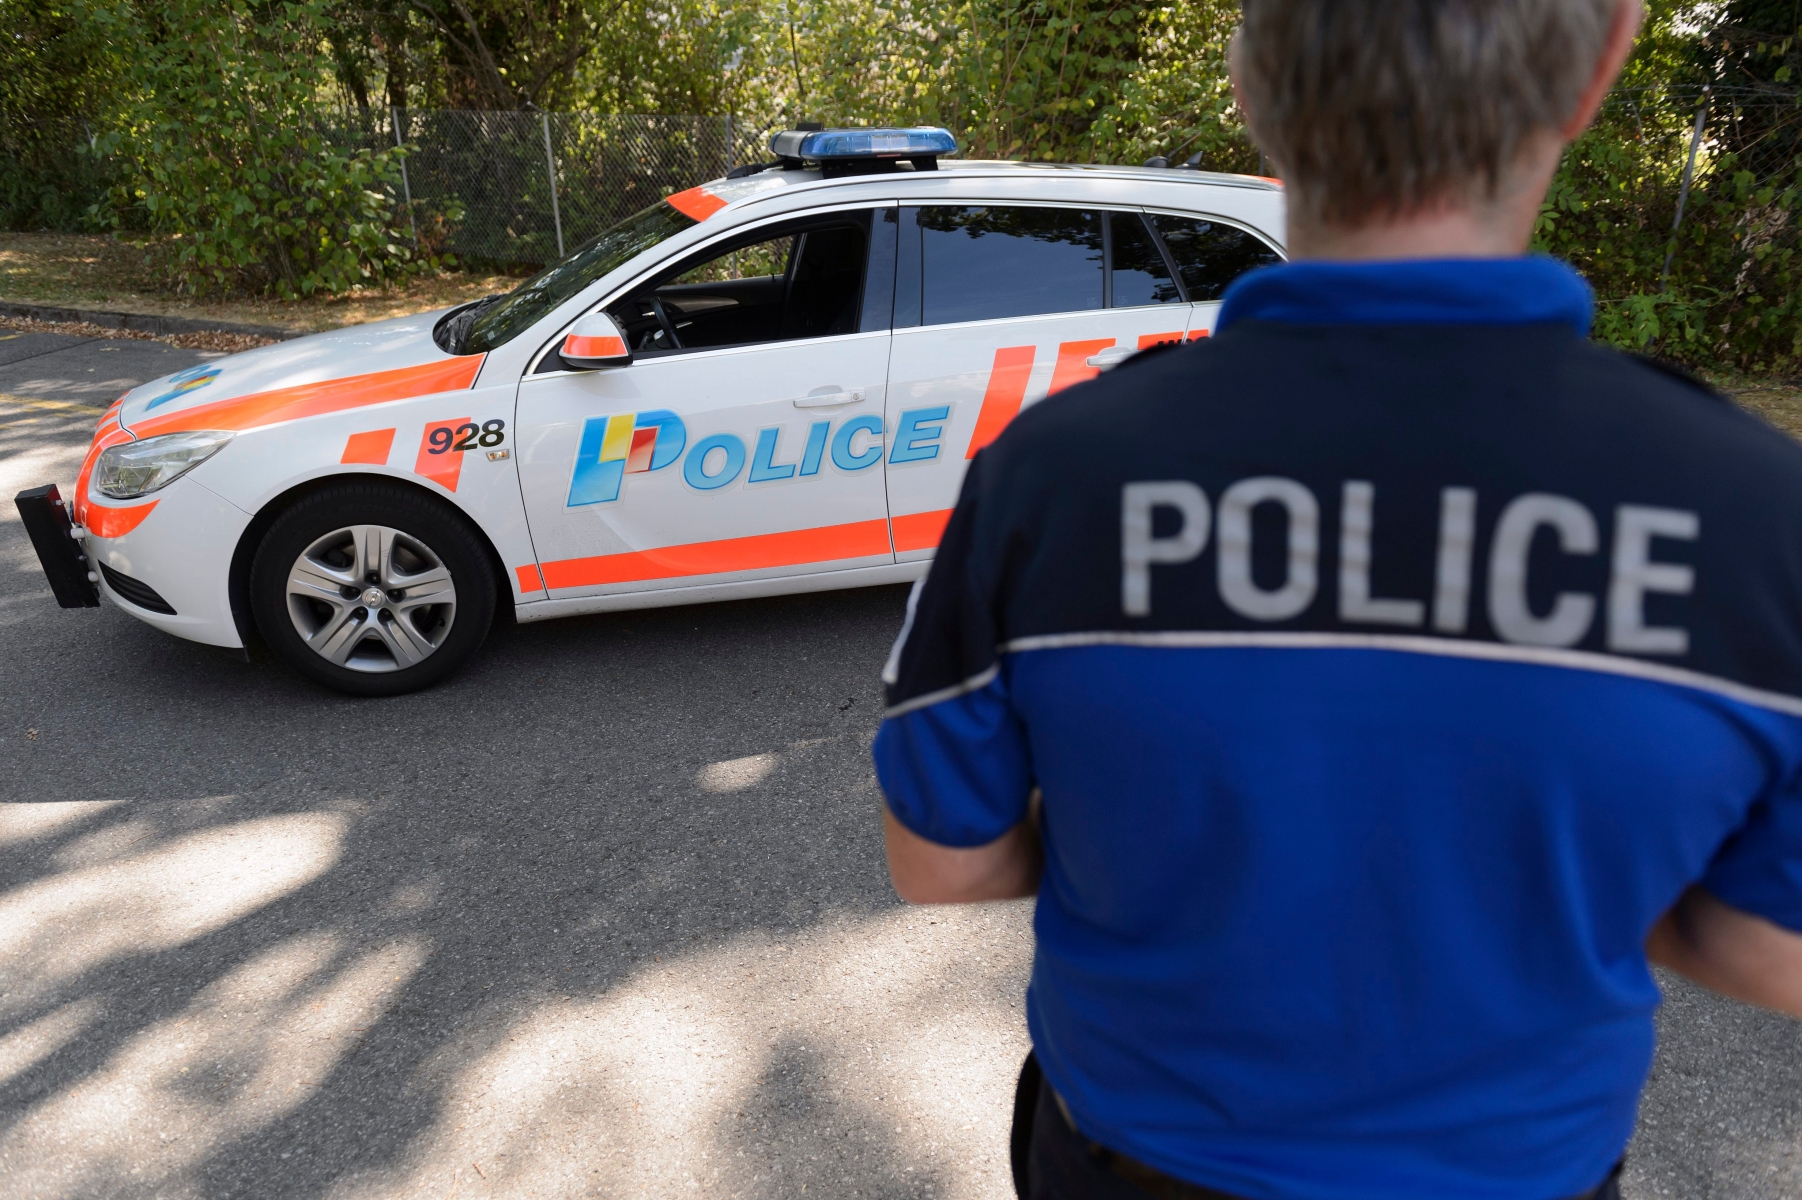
{"points": [[179, 553], [66, 566]]}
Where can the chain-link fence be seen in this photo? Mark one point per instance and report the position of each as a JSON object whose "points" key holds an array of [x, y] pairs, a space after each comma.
{"points": [[525, 187], [508, 187], [1681, 207]]}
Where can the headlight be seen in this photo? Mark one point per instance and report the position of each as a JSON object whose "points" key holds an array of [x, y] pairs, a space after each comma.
{"points": [[132, 469]]}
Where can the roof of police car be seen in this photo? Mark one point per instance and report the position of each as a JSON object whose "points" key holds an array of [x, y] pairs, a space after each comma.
{"points": [[774, 179]]}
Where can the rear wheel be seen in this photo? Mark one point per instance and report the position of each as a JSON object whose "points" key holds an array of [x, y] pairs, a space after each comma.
{"points": [[372, 589]]}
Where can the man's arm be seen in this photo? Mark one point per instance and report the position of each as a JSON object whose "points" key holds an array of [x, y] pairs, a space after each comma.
{"points": [[927, 873], [1728, 951]]}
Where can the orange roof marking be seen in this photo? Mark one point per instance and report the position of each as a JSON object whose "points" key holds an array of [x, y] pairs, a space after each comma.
{"points": [[920, 531], [698, 203], [314, 399], [858, 539], [117, 522]]}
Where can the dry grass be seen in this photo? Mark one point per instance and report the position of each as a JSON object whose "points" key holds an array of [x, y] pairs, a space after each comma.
{"points": [[1777, 401], [116, 275], [211, 339]]}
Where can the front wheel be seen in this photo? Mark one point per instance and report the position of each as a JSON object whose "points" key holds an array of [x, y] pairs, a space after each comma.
{"points": [[372, 589]]}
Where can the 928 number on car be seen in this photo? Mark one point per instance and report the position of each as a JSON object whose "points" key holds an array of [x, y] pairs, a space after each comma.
{"points": [[467, 436]]}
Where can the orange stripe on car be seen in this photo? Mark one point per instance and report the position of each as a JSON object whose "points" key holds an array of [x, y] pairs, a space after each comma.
{"points": [[445, 467], [858, 539], [919, 531], [117, 522], [577, 346], [1002, 399], [370, 449], [103, 437], [1148, 340], [529, 579], [313, 399], [698, 203], [1072, 363]]}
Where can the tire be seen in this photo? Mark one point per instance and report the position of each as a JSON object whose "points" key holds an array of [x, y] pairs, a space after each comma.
{"points": [[373, 589]]}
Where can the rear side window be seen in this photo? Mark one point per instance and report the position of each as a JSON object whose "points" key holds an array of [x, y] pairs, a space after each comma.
{"points": [[1138, 273], [983, 263], [1209, 255]]}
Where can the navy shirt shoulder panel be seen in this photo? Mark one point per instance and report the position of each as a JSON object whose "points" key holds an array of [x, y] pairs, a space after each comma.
{"points": [[1501, 412]]}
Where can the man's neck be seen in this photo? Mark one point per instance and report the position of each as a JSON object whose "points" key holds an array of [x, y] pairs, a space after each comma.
{"points": [[1500, 227], [1441, 233]]}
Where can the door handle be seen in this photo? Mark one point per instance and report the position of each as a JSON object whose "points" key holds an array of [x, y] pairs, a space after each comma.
{"points": [[1110, 358], [829, 399]]}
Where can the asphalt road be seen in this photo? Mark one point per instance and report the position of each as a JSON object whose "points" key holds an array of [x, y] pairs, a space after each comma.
{"points": [[603, 916]]}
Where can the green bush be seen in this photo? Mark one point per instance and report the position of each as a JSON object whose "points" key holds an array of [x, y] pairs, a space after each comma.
{"points": [[219, 143], [1730, 300]]}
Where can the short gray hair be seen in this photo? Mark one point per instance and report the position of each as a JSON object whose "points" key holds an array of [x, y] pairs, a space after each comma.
{"points": [[1374, 107]]}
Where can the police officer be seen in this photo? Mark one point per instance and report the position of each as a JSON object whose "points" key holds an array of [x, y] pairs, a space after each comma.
{"points": [[1369, 692]]}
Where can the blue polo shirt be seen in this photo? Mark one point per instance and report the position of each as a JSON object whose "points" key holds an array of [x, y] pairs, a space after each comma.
{"points": [[1388, 665]]}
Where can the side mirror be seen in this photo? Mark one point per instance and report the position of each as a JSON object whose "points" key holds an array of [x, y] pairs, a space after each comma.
{"points": [[594, 342]]}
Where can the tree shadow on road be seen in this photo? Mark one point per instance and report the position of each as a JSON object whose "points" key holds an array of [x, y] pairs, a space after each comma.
{"points": [[605, 915]]}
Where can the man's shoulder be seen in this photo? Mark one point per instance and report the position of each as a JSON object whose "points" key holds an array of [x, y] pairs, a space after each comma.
{"points": [[1107, 412], [1661, 404]]}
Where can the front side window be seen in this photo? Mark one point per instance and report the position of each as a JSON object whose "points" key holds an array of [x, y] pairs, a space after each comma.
{"points": [[983, 263], [495, 322], [1211, 254], [801, 280]]}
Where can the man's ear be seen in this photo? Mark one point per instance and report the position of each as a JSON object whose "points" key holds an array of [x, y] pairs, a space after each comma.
{"points": [[1622, 30]]}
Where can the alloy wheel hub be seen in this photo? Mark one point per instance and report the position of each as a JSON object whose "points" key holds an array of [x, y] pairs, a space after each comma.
{"points": [[371, 598]]}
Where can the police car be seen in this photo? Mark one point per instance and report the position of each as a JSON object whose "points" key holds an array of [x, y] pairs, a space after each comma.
{"points": [[766, 384]]}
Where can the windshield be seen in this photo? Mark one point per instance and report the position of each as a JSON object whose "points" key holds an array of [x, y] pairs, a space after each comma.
{"points": [[505, 318]]}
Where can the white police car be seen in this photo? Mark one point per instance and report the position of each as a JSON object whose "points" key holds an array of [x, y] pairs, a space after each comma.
{"points": [[770, 383]]}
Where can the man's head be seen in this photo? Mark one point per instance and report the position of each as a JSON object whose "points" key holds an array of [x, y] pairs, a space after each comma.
{"points": [[1387, 111]]}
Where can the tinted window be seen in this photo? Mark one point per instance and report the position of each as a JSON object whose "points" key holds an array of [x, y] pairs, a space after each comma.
{"points": [[824, 283], [794, 282], [1210, 255], [502, 320], [1140, 273], [983, 263]]}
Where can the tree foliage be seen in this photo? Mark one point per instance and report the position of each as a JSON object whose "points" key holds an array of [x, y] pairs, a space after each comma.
{"points": [[221, 143], [216, 120], [55, 71], [1729, 297]]}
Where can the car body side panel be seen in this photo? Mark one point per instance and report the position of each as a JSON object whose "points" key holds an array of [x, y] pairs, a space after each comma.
{"points": [[371, 399], [662, 521], [459, 445]]}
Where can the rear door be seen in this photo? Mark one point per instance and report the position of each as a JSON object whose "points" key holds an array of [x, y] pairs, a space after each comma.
{"points": [[745, 439], [996, 307], [1208, 254]]}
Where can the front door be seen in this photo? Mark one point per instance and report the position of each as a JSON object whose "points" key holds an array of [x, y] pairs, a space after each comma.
{"points": [[744, 441], [996, 307]]}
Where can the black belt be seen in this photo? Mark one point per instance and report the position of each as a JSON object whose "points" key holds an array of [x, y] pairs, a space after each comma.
{"points": [[1160, 1186]]}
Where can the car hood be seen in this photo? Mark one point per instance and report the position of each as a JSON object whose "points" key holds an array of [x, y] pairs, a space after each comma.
{"points": [[325, 372]]}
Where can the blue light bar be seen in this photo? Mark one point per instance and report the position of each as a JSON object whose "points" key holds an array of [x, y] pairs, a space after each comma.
{"points": [[837, 145]]}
